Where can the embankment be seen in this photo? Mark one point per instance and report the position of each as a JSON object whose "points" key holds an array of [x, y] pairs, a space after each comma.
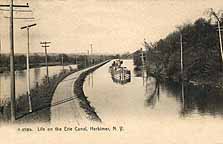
{"points": [[83, 99], [41, 97]]}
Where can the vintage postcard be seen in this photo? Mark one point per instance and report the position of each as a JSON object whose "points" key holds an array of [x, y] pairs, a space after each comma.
{"points": [[111, 71]]}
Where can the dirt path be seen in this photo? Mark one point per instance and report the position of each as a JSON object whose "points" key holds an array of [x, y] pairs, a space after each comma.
{"points": [[65, 104]]}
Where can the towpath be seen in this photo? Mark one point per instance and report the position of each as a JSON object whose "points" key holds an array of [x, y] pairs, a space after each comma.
{"points": [[65, 106]]}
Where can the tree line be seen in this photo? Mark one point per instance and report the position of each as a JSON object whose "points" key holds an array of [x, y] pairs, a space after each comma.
{"points": [[201, 52], [37, 60]]}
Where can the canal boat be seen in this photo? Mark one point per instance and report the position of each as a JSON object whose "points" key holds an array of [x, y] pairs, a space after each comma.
{"points": [[119, 74]]}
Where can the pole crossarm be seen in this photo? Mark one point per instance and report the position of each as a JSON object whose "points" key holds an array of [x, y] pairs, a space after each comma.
{"points": [[221, 29], [20, 17], [45, 42], [16, 10], [27, 5], [46, 46], [28, 26]]}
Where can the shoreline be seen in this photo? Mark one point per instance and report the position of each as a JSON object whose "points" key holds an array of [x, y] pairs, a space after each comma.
{"points": [[23, 67], [196, 83], [83, 99], [41, 101], [212, 83]]}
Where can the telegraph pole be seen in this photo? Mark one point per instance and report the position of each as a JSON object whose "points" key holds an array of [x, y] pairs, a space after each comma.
{"points": [[147, 65], [0, 50], [220, 38], [76, 59], [91, 48], [27, 66], [87, 58], [181, 55], [12, 63], [145, 44], [91, 54], [142, 59], [62, 62], [182, 68], [44, 44], [0, 64], [219, 31]]}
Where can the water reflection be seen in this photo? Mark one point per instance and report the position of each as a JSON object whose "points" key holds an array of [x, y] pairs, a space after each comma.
{"points": [[193, 100], [137, 72], [90, 79], [165, 100], [36, 74], [182, 95], [20, 73], [203, 100], [140, 72], [121, 81], [153, 98]]}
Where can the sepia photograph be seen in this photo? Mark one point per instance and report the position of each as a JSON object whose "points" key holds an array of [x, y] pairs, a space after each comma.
{"points": [[111, 71]]}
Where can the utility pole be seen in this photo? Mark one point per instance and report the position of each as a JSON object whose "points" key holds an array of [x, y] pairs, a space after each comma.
{"points": [[219, 32], [181, 55], [0, 64], [182, 67], [44, 44], [76, 59], [87, 58], [27, 66], [12, 63], [145, 44], [91, 59], [142, 59], [62, 62], [0, 51], [220, 39], [147, 65]]}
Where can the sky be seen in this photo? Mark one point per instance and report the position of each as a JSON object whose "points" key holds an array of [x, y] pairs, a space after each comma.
{"points": [[112, 26]]}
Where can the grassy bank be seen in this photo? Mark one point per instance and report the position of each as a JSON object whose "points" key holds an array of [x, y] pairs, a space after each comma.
{"points": [[41, 97], [83, 99]]}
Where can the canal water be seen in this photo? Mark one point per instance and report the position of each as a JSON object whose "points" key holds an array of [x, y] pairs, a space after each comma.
{"points": [[36, 75], [153, 112], [145, 101]]}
